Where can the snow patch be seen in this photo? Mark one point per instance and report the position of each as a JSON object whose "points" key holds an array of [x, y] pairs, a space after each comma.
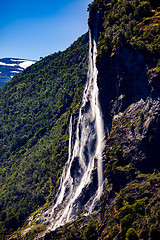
{"points": [[15, 71], [16, 60], [26, 64], [5, 64]]}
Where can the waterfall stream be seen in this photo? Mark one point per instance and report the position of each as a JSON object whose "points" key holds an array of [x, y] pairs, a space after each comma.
{"points": [[81, 184]]}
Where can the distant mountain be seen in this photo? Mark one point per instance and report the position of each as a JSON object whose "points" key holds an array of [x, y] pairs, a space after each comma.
{"points": [[12, 66]]}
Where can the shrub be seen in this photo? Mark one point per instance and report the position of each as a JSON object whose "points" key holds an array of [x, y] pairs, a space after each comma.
{"points": [[126, 222], [89, 232], [131, 234], [119, 200], [125, 210], [139, 207]]}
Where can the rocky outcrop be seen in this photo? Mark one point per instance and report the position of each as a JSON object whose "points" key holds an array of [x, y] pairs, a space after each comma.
{"points": [[125, 78], [135, 134], [129, 95]]}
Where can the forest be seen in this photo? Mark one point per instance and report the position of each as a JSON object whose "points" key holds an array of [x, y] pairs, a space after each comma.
{"points": [[36, 106]]}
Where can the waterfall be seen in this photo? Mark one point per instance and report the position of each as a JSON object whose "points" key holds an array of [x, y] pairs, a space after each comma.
{"points": [[81, 184]]}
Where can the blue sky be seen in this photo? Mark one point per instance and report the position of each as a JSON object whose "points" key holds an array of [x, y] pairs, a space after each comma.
{"points": [[32, 29]]}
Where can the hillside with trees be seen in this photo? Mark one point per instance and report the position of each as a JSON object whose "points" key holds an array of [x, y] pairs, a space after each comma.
{"points": [[35, 107], [35, 110]]}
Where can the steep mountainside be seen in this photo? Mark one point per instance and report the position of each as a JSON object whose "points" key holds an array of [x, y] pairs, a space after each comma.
{"points": [[9, 67], [128, 63], [35, 108]]}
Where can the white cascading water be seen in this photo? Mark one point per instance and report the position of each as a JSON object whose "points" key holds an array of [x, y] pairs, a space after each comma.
{"points": [[81, 184]]}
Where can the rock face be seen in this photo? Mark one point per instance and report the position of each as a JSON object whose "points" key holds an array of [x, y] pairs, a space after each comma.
{"points": [[129, 94], [130, 100], [136, 132], [123, 80]]}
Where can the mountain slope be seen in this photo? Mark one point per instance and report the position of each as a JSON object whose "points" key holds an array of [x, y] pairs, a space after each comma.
{"points": [[35, 108], [129, 82], [9, 67]]}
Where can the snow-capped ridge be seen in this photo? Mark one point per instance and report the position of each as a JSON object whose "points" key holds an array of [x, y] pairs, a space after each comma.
{"points": [[9, 67]]}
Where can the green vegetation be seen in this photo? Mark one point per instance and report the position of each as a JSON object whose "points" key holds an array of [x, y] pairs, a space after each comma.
{"points": [[137, 210], [133, 22], [75, 231], [131, 234], [133, 214], [130, 203], [35, 107], [90, 231]]}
